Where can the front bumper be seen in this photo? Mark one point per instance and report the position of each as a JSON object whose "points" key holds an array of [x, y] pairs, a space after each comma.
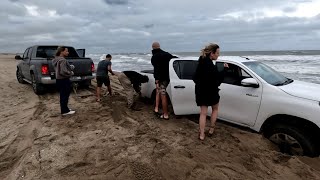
{"points": [[49, 80]]}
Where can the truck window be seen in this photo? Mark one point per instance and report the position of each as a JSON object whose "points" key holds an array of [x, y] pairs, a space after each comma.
{"points": [[50, 51], [25, 54], [29, 53], [234, 74], [185, 69]]}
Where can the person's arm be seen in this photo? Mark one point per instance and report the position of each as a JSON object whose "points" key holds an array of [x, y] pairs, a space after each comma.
{"points": [[110, 70], [155, 69], [64, 70]]}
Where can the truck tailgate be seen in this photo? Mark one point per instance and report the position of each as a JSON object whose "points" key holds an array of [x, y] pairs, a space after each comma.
{"points": [[82, 66]]}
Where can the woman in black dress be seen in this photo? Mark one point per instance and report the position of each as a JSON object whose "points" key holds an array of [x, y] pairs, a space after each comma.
{"points": [[207, 81]]}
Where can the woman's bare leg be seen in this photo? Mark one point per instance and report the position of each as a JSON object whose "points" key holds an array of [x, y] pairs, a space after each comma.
{"points": [[214, 115], [202, 120]]}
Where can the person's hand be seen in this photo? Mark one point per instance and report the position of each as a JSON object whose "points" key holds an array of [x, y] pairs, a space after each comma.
{"points": [[72, 73], [226, 65]]}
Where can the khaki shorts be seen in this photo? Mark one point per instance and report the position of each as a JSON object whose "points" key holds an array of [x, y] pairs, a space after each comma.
{"points": [[162, 87]]}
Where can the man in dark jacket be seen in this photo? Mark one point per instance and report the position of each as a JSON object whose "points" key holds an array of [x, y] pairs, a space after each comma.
{"points": [[131, 82], [160, 61]]}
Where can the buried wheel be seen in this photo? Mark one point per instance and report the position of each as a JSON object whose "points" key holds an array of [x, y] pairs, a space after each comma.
{"points": [[291, 140]]}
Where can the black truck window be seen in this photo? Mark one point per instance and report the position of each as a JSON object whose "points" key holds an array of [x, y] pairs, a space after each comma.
{"points": [[50, 51], [234, 74], [185, 69]]}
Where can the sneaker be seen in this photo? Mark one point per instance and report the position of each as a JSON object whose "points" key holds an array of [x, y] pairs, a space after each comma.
{"points": [[69, 113]]}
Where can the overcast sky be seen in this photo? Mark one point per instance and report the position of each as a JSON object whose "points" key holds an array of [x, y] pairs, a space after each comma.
{"points": [[179, 25]]}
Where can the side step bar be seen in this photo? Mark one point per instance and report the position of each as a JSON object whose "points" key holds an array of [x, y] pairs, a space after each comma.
{"points": [[26, 80]]}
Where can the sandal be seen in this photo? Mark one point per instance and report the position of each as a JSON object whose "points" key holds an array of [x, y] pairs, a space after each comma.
{"points": [[162, 117], [211, 131], [156, 113]]}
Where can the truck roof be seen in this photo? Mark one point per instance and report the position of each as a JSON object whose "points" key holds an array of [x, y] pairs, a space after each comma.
{"points": [[238, 59]]}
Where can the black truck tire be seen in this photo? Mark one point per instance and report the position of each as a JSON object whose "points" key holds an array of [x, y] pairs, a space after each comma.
{"points": [[38, 88], [20, 76], [292, 140]]}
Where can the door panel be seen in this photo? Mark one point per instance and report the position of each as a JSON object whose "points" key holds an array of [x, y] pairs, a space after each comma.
{"points": [[182, 87], [25, 65], [238, 104], [81, 52]]}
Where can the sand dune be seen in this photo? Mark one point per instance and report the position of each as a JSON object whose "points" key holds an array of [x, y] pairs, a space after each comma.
{"points": [[107, 141]]}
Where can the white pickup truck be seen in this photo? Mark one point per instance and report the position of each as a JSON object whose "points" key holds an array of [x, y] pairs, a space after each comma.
{"points": [[256, 96]]}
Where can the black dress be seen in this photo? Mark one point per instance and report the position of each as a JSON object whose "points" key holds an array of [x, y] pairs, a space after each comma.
{"points": [[207, 80]]}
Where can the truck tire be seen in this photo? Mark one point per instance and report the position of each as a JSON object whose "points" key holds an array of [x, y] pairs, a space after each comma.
{"points": [[37, 87], [292, 140], [19, 76]]}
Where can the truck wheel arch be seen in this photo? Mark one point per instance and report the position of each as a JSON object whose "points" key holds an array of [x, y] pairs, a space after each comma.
{"points": [[309, 129]]}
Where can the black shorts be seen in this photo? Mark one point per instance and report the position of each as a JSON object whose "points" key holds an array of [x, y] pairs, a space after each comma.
{"points": [[103, 80]]}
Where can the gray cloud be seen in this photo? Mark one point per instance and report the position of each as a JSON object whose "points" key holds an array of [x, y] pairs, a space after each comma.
{"points": [[131, 26], [116, 2]]}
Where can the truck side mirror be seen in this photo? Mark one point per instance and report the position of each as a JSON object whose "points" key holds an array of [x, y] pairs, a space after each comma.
{"points": [[18, 57], [250, 82]]}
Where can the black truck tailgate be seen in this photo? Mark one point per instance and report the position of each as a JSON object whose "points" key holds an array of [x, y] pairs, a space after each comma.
{"points": [[82, 66]]}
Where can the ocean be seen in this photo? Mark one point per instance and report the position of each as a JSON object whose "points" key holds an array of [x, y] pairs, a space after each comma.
{"points": [[298, 65]]}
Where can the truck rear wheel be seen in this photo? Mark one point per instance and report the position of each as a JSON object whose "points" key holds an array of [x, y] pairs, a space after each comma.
{"points": [[37, 87], [291, 140]]}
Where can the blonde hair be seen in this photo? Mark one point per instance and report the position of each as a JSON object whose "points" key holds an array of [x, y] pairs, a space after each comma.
{"points": [[208, 49]]}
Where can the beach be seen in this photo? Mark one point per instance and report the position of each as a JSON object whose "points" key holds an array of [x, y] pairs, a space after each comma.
{"points": [[108, 141]]}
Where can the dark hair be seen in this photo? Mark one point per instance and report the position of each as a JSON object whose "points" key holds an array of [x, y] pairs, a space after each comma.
{"points": [[108, 56], [144, 79], [209, 48], [60, 49]]}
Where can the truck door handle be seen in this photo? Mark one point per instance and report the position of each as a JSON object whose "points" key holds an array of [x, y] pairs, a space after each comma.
{"points": [[179, 87], [252, 95]]}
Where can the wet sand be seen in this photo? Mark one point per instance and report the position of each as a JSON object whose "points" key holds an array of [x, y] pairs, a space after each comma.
{"points": [[107, 141]]}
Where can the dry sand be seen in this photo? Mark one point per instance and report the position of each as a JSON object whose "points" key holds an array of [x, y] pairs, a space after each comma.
{"points": [[107, 141]]}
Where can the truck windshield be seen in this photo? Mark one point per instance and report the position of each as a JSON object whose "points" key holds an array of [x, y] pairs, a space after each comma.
{"points": [[50, 51], [268, 74]]}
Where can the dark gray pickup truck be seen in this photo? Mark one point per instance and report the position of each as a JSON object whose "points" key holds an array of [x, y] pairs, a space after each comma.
{"points": [[35, 67]]}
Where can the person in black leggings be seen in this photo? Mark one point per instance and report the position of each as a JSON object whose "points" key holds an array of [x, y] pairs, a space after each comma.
{"points": [[63, 72]]}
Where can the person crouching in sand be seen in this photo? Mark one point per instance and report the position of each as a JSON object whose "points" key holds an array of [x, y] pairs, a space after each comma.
{"points": [[131, 82]]}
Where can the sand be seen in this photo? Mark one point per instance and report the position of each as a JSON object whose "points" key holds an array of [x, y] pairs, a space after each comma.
{"points": [[107, 141]]}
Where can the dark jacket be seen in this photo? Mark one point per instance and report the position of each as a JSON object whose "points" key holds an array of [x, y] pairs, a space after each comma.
{"points": [[207, 77], [160, 61], [62, 68], [136, 79]]}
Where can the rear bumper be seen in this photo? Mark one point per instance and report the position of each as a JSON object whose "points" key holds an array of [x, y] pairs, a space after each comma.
{"points": [[48, 80]]}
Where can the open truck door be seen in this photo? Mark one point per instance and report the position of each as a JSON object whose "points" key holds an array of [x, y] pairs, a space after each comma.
{"points": [[81, 52]]}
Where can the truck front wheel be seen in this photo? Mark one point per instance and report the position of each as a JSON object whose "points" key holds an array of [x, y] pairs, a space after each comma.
{"points": [[291, 140], [37, 87], [19, 76]]}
